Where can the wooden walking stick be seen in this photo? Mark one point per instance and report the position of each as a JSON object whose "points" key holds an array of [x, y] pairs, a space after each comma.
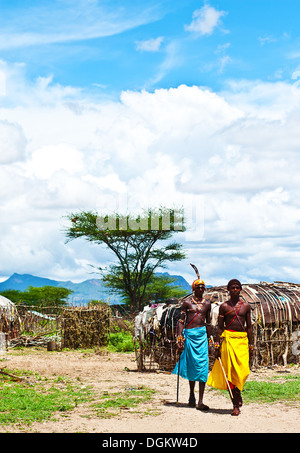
{"points": [[221, 364], [228, 385], [180, 342], [178, 379]]}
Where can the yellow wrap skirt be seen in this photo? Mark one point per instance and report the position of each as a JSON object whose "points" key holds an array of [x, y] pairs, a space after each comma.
{"points": [[235, 361]]}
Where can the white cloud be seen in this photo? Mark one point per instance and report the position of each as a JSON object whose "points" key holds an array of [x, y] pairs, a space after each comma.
{"points": [[264, 100], [171, 60], [2, 83], [12, 142], [205, 20], [221, 49], [50, 159], [238, 150], [224, 61], [266, 40], [67, 21], [150, 45]]}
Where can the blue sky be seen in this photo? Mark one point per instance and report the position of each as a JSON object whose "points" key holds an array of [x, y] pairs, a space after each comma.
{"points": [[113, 103], [121, 45]]}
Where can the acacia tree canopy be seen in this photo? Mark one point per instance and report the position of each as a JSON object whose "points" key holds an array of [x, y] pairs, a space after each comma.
{"points": [[140, 245], [163, 287]]}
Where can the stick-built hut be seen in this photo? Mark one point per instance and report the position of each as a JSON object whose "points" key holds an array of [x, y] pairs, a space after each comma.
{"points": [[9, 319], [275, 314]]}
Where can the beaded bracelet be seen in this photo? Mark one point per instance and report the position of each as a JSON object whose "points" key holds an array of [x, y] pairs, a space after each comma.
{"points": [[180, 340], [217, 345]]}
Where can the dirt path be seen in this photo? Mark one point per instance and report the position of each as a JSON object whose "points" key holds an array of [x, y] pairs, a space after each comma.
{"points": [[116, 372]]}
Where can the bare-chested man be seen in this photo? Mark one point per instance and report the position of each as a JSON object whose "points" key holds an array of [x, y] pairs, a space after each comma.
{"points": [[193, 332], [235, 330]]}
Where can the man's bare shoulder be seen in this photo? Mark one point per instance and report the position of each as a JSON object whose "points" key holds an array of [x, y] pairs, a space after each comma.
{"points": [[186, 302], [224, 307], [246, 305]]}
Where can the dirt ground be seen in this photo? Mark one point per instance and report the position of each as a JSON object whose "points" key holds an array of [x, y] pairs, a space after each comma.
{"points": [[116, 372]]}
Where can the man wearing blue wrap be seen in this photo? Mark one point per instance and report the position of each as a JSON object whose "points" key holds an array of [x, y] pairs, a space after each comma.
{"points": [[193, 336]]}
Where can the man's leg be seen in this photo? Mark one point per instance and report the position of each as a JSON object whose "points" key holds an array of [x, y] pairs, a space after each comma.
{"points": [[192, 399], [236, 401], [200, 406], [239, 396]]}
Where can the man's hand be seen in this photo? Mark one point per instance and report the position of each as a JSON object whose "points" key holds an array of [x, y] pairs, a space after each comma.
{"points": [[180, 342], [251, 351], [217, 349], [217, 353]]}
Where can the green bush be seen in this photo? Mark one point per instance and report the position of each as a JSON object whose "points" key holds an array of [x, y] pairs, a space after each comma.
{"points": [[120, 342]]}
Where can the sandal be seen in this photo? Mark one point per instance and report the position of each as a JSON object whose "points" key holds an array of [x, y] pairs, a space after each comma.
{"points": [[202, 407], [235, 411]]}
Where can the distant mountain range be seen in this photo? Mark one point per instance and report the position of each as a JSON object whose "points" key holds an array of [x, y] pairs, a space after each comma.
{"points": [[85, 291]]}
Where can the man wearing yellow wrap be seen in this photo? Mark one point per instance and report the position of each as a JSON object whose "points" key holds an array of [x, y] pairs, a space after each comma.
{"points": [[235, 333]]}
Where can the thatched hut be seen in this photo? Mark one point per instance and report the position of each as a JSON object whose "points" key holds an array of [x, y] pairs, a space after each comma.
{"points": [[9, 319], [275, 313]]}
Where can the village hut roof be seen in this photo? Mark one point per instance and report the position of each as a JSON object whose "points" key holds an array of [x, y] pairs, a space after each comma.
{"points": [[8, 308]]}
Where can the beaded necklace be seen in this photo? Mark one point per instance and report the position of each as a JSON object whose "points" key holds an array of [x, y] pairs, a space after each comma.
{"points": [[197, 303]]}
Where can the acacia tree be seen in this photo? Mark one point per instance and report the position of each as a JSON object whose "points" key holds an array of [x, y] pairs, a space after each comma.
{"points": [[140, 245], [163, 287]]}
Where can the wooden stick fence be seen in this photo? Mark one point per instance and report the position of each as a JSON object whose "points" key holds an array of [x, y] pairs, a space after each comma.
{"points": [[73, 327]]}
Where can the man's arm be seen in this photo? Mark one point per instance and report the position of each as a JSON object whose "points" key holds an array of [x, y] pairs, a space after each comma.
{"points": [[222, 312], [249, 330], [208, 320], [180, 326], [220, 329]]}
